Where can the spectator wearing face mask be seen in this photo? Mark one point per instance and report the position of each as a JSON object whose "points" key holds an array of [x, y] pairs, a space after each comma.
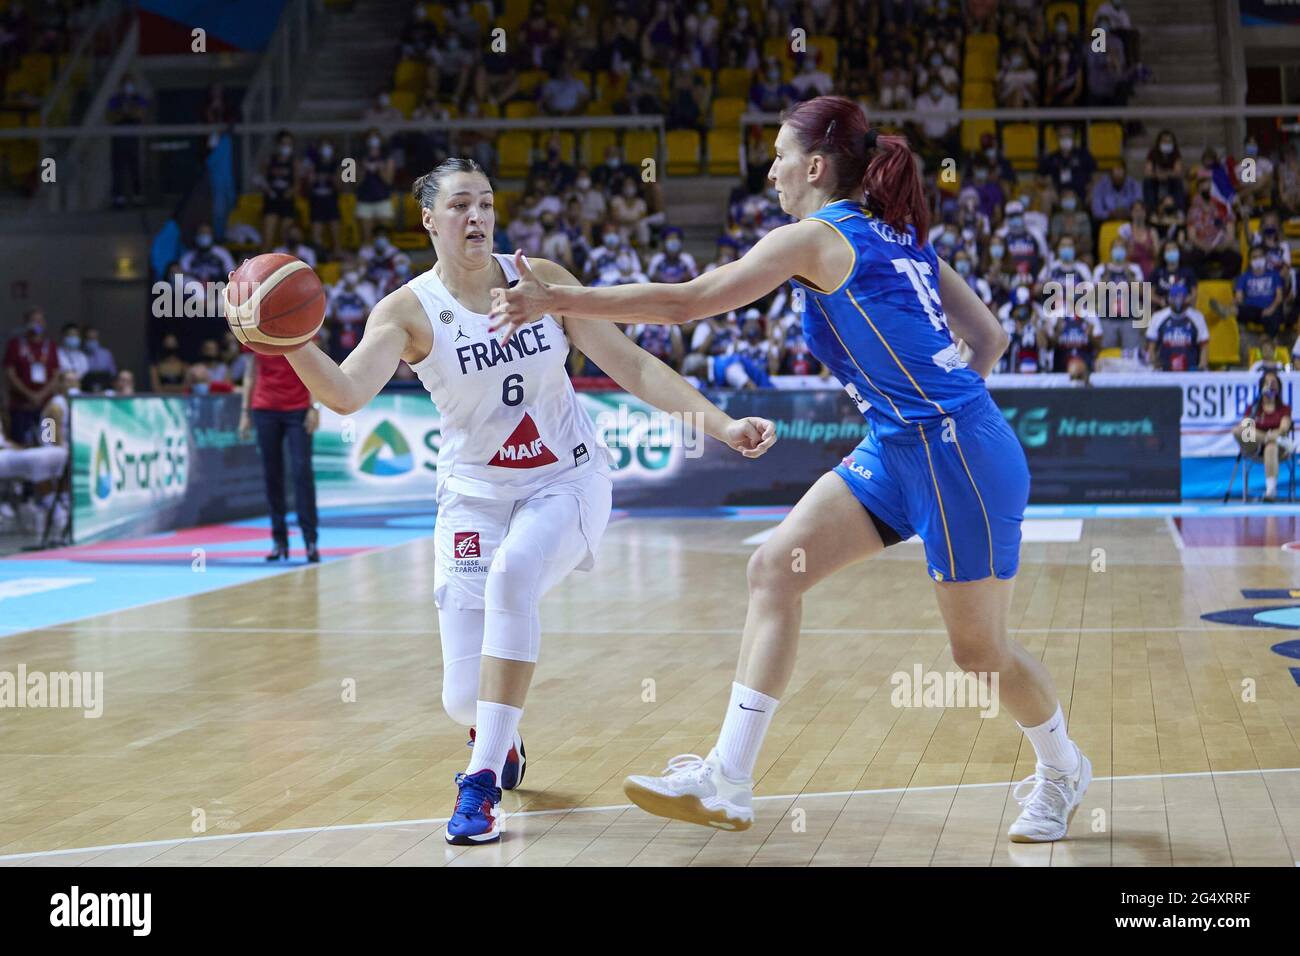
{"points": [[582, 38], [1118, 330], [1211, 230], [1024, 323], [1257, 188], [623, 269], [673, 264], [964, 264], [999, 168], [1017, 80], [1063, 84], [1106, 69], [382, 110], [167, 375], [127, 107], [71, 356], [32, 366], [451, 67], [1025, 250], [769, 93], [207, 261], [1075, 336], [347, 306], [940, 133], [321, 172], [564, 94], [1258, 294], [1177, 337], [496, 77], [1067, 167], [628, 212], [1065, 266], [602, 256], [525, 231], [375, 188], [279, 187], [377, 258], [1141, 238], [294, 245], [1113, 194], [1164, 172], [99, 360], [555, 242], [991, 195], [1071, 221], [1169, 270], [553, 169], [1277, 256], [418, 34], [997, 269], [461, 22], [608, 177]]}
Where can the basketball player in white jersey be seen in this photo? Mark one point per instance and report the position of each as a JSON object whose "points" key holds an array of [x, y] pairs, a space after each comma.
{"points": [[523, 484]]}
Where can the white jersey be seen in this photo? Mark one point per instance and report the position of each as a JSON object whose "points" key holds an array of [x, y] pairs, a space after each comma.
{"points": [[511, 422]]}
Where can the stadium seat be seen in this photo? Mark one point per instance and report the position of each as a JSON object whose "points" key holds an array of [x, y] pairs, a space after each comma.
{"points": [[1106, 143], [829, 48], [520, 109], [410, 75], [981, 58], [1020, 145], [779, 47], [972, 130], [734, 81], [530, 80], [978, 96], [683, 152], [1225, 342], [515, 149], [639, 144], [1291, 228], [516, 13], [330, 272], [568, 145], [1067, 8], [506, 200], [1106, 238], [594, 144], [1213, 290], [404, 100], [437, 13], [727, 110], [724, 152], [1280, 355], [598, 108]]}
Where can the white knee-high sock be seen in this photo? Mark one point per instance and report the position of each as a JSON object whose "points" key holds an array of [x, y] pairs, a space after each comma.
{"points": [[743, 728], [494, 733], [1052, 744]]}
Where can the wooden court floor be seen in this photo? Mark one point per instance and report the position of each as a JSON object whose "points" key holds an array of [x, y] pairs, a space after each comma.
{"points": [[230, 710]]}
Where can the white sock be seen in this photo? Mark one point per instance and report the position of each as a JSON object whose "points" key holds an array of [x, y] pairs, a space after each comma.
{"points": [[494, 732], [1051, 743], [1270, 486], [743, 728]]}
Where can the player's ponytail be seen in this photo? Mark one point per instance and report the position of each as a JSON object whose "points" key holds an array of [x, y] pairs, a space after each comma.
{"points": [[892, 183], [873, 167]]}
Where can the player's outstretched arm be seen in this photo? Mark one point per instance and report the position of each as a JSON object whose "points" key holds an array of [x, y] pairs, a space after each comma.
{"points": [[970, 320], [348, 387], [639, 372], [784, 252]]}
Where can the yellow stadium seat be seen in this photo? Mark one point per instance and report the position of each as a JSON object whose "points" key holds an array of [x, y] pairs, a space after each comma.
{"points": [[1213, 290], [530, 80], [594, 144], [515, 149], [734, 81], [972, 130], [724, 152], [1020, 145], [1091, 11], [1068, 8], [482, 14], [779, 47], [301, 210], [1106, 238], [639, 144], [981, 58], [1255, 354], [598, 108], [410, 75], [829, 48], [404, 100], [1291, 228], [978, 96], [330, 272], [1112, 353], [1225, 343], [520, 109], [727, 110], [1106, 143], [660, 73], [683, 152], [568, 145], [506, 200]]}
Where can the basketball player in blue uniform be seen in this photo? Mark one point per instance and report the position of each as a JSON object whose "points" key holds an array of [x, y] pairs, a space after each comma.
{"points": [[884, 314]]}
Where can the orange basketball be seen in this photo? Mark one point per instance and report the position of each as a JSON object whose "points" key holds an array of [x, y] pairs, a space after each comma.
{"points": [[274, 303]]}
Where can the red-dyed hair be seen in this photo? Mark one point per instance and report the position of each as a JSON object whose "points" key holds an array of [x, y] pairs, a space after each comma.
{"points": [[887, 174]]}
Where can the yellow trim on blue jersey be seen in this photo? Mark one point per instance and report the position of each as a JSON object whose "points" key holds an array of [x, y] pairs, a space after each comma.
{"points": [[852, 268], [952, 565], [974, 487], [885, 396], [893, 355]]}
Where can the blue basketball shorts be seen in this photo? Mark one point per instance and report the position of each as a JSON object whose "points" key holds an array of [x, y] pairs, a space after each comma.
{"points": [[960, 482]]}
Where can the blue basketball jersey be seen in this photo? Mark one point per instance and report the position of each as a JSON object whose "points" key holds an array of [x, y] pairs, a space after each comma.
{"points": [[882, 331]]}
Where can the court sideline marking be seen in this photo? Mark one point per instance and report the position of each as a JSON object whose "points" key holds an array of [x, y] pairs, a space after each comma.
{"points": [[340, 827]]}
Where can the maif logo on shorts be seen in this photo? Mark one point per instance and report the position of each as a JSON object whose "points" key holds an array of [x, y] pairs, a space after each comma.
{"points": [[466, 544]]}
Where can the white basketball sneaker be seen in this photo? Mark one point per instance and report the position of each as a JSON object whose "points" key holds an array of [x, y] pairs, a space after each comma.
{"points": [[1046, 812], [695, 789]]}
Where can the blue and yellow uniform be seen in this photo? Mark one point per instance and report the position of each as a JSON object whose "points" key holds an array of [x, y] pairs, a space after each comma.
{"points": [[941, 461]]}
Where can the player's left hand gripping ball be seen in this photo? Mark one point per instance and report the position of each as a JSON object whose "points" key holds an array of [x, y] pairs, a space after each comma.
{"points": [[526, 300], [751, 436]]}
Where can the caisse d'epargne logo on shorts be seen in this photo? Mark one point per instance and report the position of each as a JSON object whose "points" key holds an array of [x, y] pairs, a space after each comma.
{"points": [[466, 552]]}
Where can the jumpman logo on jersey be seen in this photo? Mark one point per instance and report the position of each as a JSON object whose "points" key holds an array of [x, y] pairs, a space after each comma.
{"points": [[460, 334]]}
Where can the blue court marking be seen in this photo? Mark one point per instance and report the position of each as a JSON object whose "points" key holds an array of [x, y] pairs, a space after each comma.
{"points": [[75, 583], [1121, 511]]}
